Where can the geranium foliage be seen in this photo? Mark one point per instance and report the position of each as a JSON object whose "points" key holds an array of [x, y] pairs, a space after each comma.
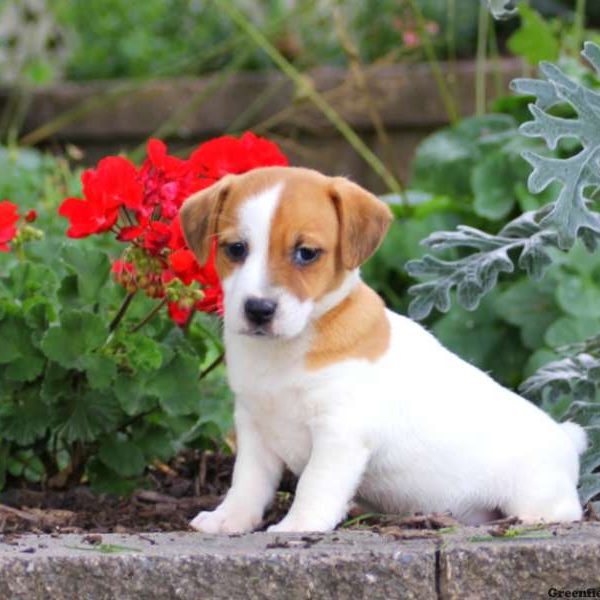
{"points": [[105, 353]]}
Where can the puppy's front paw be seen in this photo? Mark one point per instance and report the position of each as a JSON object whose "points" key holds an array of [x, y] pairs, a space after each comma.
{"points": [[288, 525], [224, 521]]}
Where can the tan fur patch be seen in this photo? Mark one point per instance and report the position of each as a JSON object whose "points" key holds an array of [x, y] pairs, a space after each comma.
{"points": [[306, 216], [356, 328]]}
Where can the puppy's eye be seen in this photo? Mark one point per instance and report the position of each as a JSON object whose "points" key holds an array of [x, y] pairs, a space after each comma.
{"points": [[236, 251], [304, 255]]}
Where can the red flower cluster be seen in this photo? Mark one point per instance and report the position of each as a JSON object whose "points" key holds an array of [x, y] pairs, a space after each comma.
{"points": [[141, 206], [8, 219]]}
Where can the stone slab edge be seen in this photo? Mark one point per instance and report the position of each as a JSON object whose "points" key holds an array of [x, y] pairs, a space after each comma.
{"points": [[467, 563]]}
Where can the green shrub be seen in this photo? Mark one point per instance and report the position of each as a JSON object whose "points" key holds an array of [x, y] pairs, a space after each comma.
{"points": [[566, 116], [77, 399]]}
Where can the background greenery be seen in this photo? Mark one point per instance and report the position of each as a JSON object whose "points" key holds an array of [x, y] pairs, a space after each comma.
{"points": [[99, 39]]}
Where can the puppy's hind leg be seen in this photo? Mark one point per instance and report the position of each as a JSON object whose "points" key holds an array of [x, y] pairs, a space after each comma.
{"points": [[548, 501]]}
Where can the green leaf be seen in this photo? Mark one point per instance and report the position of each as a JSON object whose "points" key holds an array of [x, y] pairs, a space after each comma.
{"points": [[569, 330], [39, 312], [578, 296], [444, 161], [534, 40], [472, 335], [154, 441], [100, 370], [571, 212], [86, 415], [25, 419], [531, 307], [78, 334], [528, 239], [25, 464], [538, 359], [132, 393], [122, 456], [141, 352], [493, 185], [24, 361], [92, 267], [57, 383], [104, 480], [176, 385], [589, 487], [11, 333], [25, 368], [28, 279]]}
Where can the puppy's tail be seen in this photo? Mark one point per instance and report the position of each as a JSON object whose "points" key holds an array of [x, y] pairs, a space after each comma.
{"points": [[577, 435]]}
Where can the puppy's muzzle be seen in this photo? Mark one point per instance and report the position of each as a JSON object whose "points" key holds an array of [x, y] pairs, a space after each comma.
{"points": [[260, 311]]}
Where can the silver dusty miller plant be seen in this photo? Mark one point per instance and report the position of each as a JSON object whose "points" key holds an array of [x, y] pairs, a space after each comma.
{"points": [[527, 243]]}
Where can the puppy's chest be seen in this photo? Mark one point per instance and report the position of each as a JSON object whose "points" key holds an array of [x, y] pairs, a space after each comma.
{"points": [[282, 420]]}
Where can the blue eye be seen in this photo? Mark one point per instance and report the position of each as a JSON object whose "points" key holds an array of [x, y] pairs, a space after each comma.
{"points": [[236, 251], [303, 255]]}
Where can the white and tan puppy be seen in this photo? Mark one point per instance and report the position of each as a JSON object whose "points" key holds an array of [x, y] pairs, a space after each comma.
{"points": [[359, 402]]}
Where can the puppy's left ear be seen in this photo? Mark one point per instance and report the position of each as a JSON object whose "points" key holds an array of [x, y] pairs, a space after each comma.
{"points": [[199, 216], [364, 221]]}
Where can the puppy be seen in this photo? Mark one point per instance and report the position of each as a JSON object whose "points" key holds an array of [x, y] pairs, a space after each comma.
{"points": [[358, 401]]}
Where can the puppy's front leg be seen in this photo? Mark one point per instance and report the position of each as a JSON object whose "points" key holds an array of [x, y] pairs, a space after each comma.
{"points": [[256, 475], [327, 484]]}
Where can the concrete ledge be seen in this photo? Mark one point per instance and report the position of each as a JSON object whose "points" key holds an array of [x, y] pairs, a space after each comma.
{"points": [[464, 564], [523, 567], [188, 565]]}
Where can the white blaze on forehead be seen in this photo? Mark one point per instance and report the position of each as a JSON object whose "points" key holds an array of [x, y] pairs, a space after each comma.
{"points": [[255, 218]]}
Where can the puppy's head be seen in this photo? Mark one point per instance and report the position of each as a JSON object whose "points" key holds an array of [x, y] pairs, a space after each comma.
{"points": [[287, 237]]}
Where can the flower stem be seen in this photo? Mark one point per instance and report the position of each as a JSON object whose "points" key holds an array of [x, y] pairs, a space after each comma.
{"points": [[149, 316], [121, 312], [445, 94], [213, 365]]}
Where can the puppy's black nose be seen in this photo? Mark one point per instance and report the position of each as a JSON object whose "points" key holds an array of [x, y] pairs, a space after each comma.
{"points": [[260, 311]]}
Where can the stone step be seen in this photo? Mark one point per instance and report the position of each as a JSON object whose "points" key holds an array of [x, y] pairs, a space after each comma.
{"points": [[466, 563]]}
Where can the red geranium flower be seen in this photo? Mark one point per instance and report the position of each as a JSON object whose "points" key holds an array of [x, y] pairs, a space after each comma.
{"points": [[8, 218], [179, 314], [127, 234], [184, 265], [209, 279], [31, 216], [148, 200], [114, 183], [177, 241], [167, 181], [156, 237], [227, 154]]}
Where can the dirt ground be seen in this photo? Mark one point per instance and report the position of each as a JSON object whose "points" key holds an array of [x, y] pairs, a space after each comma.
{"points": [[171, 497]]}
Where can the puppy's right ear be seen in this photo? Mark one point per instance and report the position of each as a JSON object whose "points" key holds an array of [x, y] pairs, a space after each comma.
{"points": [[199, 217]]}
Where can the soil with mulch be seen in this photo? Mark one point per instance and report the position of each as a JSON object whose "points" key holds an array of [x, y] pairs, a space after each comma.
{"points": [[172, 496]]}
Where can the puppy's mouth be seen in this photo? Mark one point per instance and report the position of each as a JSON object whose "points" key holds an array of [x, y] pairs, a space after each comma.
{"points": [[258, 331]]}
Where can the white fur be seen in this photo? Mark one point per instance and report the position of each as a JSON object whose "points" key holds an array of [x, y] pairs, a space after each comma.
{"points": [[417, 430]]}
